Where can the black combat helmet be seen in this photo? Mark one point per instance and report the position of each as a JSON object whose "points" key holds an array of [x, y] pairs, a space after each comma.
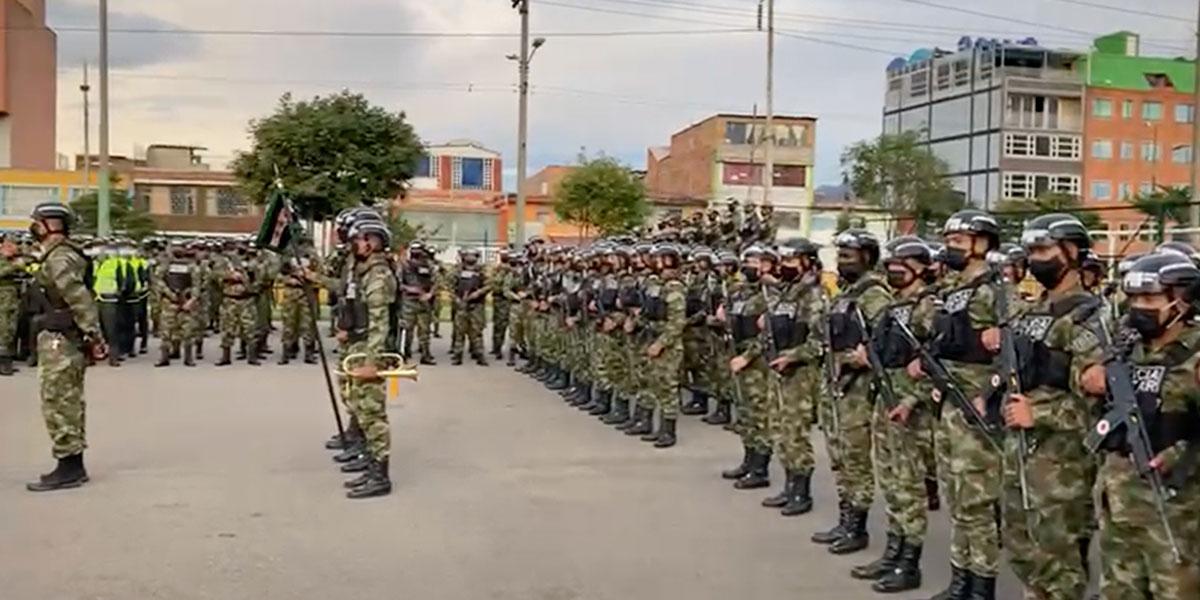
{"points": [[1158, 272], [375, 228], [908, 247], [1046, 230], [861, 240], [974, 222], [798, 247]]}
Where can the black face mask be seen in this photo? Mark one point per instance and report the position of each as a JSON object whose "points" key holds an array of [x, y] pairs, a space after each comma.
{"points": [[787, 273], [750, 273], [898, 280], [955, 259], [851, 272], [1049, 273], [1145, 322]]}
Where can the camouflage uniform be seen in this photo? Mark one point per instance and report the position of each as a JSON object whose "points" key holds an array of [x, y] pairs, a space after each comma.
{"points": [[295, 308], [237, 304], [503, 281], [698, 346], [665, 318], [181, 284], [11, 272], [746, 305], [70, 318], [468, 313], [375, 286], [417, 277], [796, 315]]}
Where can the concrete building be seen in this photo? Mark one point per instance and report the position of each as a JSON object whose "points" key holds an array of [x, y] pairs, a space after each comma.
{"points": [[455, 194], [1137, 132], [28, 86], [185, 196], [22, 189], [1007, 118], [722, 157]]}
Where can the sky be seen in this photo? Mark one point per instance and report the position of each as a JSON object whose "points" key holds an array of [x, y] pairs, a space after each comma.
{"points": [[614, 77]]}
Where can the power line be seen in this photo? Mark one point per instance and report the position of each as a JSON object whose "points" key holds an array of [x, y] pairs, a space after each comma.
{"points": [[1128, 11], [987, 15], [381, 34]]}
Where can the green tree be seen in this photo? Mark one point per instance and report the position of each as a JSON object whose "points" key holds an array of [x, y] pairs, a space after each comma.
{"points": [[331, 153], [1166, 204], [601, 196], [1013, 214], [404, 232], [125, 219], [899, 174]]}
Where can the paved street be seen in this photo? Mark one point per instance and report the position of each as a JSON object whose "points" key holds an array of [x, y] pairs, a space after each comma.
{"points": [[212, 484]]}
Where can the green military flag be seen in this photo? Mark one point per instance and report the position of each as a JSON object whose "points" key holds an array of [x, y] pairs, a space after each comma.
{"points": [[277, 230]]}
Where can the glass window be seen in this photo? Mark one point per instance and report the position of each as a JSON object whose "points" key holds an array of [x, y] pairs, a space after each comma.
{"points": [[740, 173], [1181, 154], [428, 166], [20, 199], [183, 200], [1127, 109], [1126, 150], [1145, 188], [1102, 107], [1101, 190], [1046, 146], [1152, 111], [1102, 149], [1124, 191], [1149, 151], [231, 204], [790, 176], [951, 118], [735, 133], [787, 219], [1183, 113]]}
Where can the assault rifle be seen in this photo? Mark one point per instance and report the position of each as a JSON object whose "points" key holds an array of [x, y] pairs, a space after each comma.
{"points": [[1012, 369]]}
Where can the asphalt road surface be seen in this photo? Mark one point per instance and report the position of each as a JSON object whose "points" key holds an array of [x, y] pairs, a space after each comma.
{"points": [[212, 483]]}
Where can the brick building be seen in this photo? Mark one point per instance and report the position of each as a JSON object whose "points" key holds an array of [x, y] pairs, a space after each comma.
{"points": [[185, 196], [456, 193], [28, 86]]}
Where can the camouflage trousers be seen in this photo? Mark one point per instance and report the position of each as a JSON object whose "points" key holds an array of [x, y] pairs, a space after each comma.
{"points": [[468, 326], [827, 421], [640, 372], [698, 359], [973, 490], [519, 319], [295, 316], [719, 373], [900, 451], [263, 303], [10, 306], [791, 419], [666, 372], [177, 326], [754, 406], [610, 348], [856, 473], [1043, 542], [1137, 560], [417, 319], [237, 321], [61, 367], [368, 400], [500, 317]]}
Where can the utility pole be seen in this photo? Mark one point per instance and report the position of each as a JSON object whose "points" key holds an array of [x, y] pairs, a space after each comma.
{"points": [[1195, 208], [769, 169], [103, 226], [522, 123], [87, 131]]}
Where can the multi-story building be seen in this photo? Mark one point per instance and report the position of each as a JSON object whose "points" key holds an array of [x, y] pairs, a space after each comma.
{"points": [[723, 157], [23, 189], [185, 196], [455, 194], [1137, 132], [28, 84], [1007, 118]]}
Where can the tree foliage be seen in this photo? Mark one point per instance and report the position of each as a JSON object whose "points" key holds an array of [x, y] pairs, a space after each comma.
{"points": [[899, 174], [1013, 214], [124, 218], [331, 153], [1171, 203], [404, 232], [602, 196]]}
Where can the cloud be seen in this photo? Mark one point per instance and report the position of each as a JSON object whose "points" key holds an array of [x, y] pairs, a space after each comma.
{"points": [[126, 50]]}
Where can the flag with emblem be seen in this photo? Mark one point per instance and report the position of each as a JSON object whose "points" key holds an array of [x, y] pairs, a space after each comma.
{"points": [[277, 230]]}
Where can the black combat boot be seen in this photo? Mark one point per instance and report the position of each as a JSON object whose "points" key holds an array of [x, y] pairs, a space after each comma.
{"points": [[833, 534], [544, 371], [560, 381], [224, 360], [631, 416], [350, 436], [933, 499], [643, 422], [174, 352], [652, 435], [602, 403], [359, 464], [310, 355], [189, 359], [512, 358], [353, 452], [854, 537], [480, 360], [780, 499], [982, 588], [801, 501], [378, 484], [960, 585], [253, 357], [884, 564], [757, 477], [719, 415], [6, 366], [361, 480], [428, 360], [666, 434], [587, 397], [285, 357], [241, 353], [164, 358], [619, 412], [199, 350], [697, 405], [69, 473], [739, 471], [905, 575]]}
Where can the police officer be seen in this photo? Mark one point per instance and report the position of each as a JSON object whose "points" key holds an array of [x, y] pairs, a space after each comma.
{"points": [[70, 333]]}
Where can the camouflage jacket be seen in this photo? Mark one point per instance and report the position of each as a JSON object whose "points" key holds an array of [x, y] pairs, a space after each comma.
{"points": [[63, 271]]}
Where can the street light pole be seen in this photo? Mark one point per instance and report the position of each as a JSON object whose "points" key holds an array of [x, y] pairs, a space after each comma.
{"points": [[103, 226], [1195, 208], [522, 124], [87, 131], [769, 170]]}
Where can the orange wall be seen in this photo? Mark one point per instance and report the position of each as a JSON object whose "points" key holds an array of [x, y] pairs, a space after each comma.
{"points": [[28, 82]]}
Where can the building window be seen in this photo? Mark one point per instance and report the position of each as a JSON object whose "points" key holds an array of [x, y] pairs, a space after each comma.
{"points": [[1126, 150], [1102, 107], [471, 173], [1184, 113], [1145, 188], [962, 72], [231, 204], [1124, 191], [735, 133], [1102, 149], [1033, 185], [1149, 151], [543, 216], [1038, 112], [1181, 154], [943, 77], [19, 200], [791, 176], [183, 201], [919, 83], [740, 173], [1152, 111], [1043, 146], [1127, 109], [428, 166], [1101, 190], [787, 219]]}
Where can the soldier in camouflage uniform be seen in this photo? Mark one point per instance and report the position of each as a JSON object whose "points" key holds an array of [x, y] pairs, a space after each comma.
{"points": [[295, 308], [372, 287], [611, 340], [1162, 353], [178, 294], [852, 315], [903, 419], [203, 308], [11, 272], [417, 281], [797, 307], [663, 317], [70, 334], [236, 272], [744, 306], [502, 282], [1047, 525], [698, 342], [470, 295], [641, 421], [722, 343]]}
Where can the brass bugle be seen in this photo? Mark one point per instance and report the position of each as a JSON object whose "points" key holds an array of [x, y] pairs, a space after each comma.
{"points": [[397, 369]]}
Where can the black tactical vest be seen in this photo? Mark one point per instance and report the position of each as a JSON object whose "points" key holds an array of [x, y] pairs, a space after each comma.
{"points": [[353, 317], [1039, 365], [178, 277], [956, 338], [743, 325], [654, 304], [1165, 428]]}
